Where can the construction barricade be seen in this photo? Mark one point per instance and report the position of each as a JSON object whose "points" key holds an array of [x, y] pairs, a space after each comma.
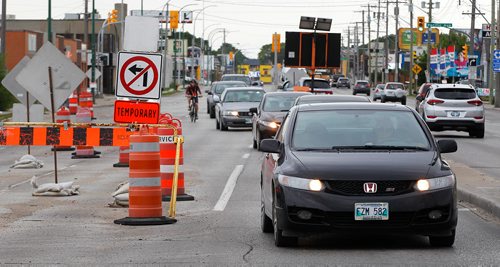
{"points": [[85, 101], [145, 199], [84, 151], [63, 115], [167, 161]]}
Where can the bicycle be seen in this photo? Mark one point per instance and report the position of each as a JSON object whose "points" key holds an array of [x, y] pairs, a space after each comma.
{"points": [[192, 110]]}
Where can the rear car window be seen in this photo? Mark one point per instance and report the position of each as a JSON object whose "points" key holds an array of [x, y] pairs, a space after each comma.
{"points": [[362, 83], [317, 84], [244, 79], [455, 93], [330, 129], [395, 86], [279, 103]]}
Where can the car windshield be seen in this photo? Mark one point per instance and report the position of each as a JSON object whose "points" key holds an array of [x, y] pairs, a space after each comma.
{"points": [[244, 79], [243, 96], [343, 80], [455, 93], [279, 103], [381, 86], [317, 84], [335, 130], [362, 83], [395, 86], [221, 87]]}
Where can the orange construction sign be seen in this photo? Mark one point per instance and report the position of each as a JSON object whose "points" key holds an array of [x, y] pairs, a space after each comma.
{"points": [[136, 112], [51, 136]]}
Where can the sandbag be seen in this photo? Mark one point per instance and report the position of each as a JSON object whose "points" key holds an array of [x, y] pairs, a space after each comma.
{"points": [[27, 162], [53, 189]]}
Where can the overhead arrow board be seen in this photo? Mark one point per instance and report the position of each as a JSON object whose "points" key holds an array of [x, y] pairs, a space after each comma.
{"points": [[139, 75]]}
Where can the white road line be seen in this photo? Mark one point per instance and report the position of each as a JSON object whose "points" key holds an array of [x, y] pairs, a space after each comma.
{"points": [[250, 146], [228, 189], [466, 209], [246, 155]]}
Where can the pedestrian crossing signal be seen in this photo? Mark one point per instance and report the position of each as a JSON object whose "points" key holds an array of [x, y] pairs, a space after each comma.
{"points": [[421, 24]]}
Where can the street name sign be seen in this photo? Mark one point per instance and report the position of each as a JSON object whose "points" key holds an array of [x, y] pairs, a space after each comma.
{"points": [[139, 75], [136, 112], [496, 61], [10, 83], [445, 25], [66, 76]]}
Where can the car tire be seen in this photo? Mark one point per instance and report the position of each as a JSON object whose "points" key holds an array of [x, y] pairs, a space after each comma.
{"points": [[478, 132], [279, 239], [222, 126], [382, 99], [212, 113], [208, 107], [266, 224], [257, 139], [442, 241], [353, 92], [403, 101], [217, 125]]}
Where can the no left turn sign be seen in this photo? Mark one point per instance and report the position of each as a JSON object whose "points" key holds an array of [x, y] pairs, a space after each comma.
{"points": [[139, 75]]}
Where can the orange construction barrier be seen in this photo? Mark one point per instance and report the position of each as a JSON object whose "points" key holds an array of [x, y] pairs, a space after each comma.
{"points": [[84, 151], [73, 103], [145, 201], [63, 115], [86, 102], [123, 158], [167, 162]]}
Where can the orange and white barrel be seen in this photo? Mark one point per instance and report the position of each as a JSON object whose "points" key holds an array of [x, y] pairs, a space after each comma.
{"points": [[63, 115], [83, 115], [123, 157]]}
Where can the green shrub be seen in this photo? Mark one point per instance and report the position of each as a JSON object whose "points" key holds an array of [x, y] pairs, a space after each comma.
{"points": [[6, 98]]}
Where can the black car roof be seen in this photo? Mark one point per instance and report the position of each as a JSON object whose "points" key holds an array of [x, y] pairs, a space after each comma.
{"points": [[288, 93], [352, 106], [332, 97]]}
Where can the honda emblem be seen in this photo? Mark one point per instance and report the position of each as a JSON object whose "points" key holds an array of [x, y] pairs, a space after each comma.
{"points": [[370, 188]]}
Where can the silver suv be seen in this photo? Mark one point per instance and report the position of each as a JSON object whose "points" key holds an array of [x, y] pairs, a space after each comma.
{"points": [[394, 92], [453, 107]]}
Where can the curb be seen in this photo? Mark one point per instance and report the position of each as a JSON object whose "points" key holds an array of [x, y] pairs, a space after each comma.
{"points": [[484, 203]]}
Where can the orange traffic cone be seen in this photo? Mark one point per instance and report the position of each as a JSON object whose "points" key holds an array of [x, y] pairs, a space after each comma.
{"points": [[123, 158], [83, 116]]}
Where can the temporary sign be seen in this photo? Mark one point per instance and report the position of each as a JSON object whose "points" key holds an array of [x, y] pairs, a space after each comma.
{"points": [[139, 75], [136, 112], [14, 87], [66, 76]]}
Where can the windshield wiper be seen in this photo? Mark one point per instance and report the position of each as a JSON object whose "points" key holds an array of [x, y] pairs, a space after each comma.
{"points": [[316, 149], [380, 147]]}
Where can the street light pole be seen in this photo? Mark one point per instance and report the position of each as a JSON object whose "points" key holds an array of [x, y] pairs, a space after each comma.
{"points": [[92, 40], [4, 25], [49, 23], [194, 38]]}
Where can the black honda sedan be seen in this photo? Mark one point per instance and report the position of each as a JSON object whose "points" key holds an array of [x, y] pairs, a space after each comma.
{"points": [[357, 167]]}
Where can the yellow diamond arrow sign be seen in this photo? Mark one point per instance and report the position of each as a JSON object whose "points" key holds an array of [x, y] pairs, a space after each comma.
{"points": [[416, 69]]}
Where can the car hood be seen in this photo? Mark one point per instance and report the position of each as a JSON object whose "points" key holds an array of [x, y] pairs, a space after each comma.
{"points": [[362, 165], [239, 106], [272, 116]]}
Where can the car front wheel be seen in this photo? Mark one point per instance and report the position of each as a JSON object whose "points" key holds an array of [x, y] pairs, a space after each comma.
{"points": [[279, 239], [442, 241], [382, 99], [403, 100], [217, 125], [222, 126]]}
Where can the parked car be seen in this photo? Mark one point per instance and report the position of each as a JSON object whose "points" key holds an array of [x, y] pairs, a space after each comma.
{"points": [[394, 92], [357, 167], [216, 90], [335, 78], [268, 115], [233, 110], [361, 87], [237, 77], [377, 90], [343, 83], [453, 107], [321, 86], [422, 91], [313, 99]]}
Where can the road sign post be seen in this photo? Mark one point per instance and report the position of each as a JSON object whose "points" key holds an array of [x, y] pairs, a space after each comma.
{"points": [[496, 61]]}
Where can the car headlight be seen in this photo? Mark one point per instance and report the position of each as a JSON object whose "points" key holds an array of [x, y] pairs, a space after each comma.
{"points": [[301, 183], [230, 113], [423, 185], [270, 124]]}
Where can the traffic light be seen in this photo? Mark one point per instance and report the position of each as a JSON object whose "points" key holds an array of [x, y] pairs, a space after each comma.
{"points": [[174, 19], [421, 24], [465, 51], [276, 44], [231, 56], [414, 55], [113, 16]]}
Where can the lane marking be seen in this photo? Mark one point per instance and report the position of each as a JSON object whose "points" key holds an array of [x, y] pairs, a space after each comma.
{"points": [[467, 209], [250, 146], [246, 156], [228, 189]]}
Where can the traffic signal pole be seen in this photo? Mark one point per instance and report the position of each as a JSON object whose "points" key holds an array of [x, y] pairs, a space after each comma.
{"points": [[411, 47], [92, 41], [497, 76]]}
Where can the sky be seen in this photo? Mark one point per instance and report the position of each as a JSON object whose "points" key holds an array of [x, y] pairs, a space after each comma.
{"points": [[251, 23]]}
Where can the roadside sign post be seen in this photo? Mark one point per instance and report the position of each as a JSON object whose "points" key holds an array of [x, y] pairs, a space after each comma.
{"points": [[496, 61]]}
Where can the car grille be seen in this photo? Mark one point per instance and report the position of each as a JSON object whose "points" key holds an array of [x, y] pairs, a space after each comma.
{"points": [[355, 188], [245, 114]]}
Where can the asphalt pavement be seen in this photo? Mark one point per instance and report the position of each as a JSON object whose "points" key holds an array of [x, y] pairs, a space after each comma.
{"points": [[220, 228]]}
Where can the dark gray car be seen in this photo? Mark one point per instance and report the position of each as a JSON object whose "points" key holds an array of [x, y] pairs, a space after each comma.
{"points": [[357, 167], [216, 90], [233, 110]]}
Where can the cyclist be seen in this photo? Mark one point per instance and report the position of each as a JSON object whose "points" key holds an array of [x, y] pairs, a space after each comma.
{"points": [[192, 93]]}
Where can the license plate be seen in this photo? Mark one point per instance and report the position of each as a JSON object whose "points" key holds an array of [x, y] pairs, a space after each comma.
{"points": [[248, 120], [454, 114], [371, 211]]}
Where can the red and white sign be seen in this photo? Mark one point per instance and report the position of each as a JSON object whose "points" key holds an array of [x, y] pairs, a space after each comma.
{"points": [[139, 75], [137, 112]]}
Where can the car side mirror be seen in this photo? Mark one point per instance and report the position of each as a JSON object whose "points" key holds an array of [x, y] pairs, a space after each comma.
{"points": [[280, 86], [270, 146], [447, 146], [253, 110], [216, 99], [419, 98]]}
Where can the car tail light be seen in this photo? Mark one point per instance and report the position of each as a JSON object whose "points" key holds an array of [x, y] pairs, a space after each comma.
{"points": [[478, 117], [431, 116], [475, 102], [376, 91], [435, 102]]}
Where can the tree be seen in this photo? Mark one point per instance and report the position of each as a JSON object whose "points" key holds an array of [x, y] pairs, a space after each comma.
{"points": [[6, 98], [266, 57]]}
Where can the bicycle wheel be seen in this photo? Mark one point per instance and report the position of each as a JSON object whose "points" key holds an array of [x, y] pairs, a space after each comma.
{"points": [[192, 113]]}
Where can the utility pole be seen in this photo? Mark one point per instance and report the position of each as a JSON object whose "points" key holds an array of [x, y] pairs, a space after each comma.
{"points": [[4, 25], [363, 43], [377, 42], [491, 77], [497, 95], [222, 50], [369, 20], [411, 46], [86, 24], [49, 23], [386, 44], [349, 45], [396, 54], [429, 79], [472, 69]]}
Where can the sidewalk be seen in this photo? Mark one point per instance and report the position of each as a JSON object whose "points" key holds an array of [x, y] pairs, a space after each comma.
{"points": [[477, 188]]}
